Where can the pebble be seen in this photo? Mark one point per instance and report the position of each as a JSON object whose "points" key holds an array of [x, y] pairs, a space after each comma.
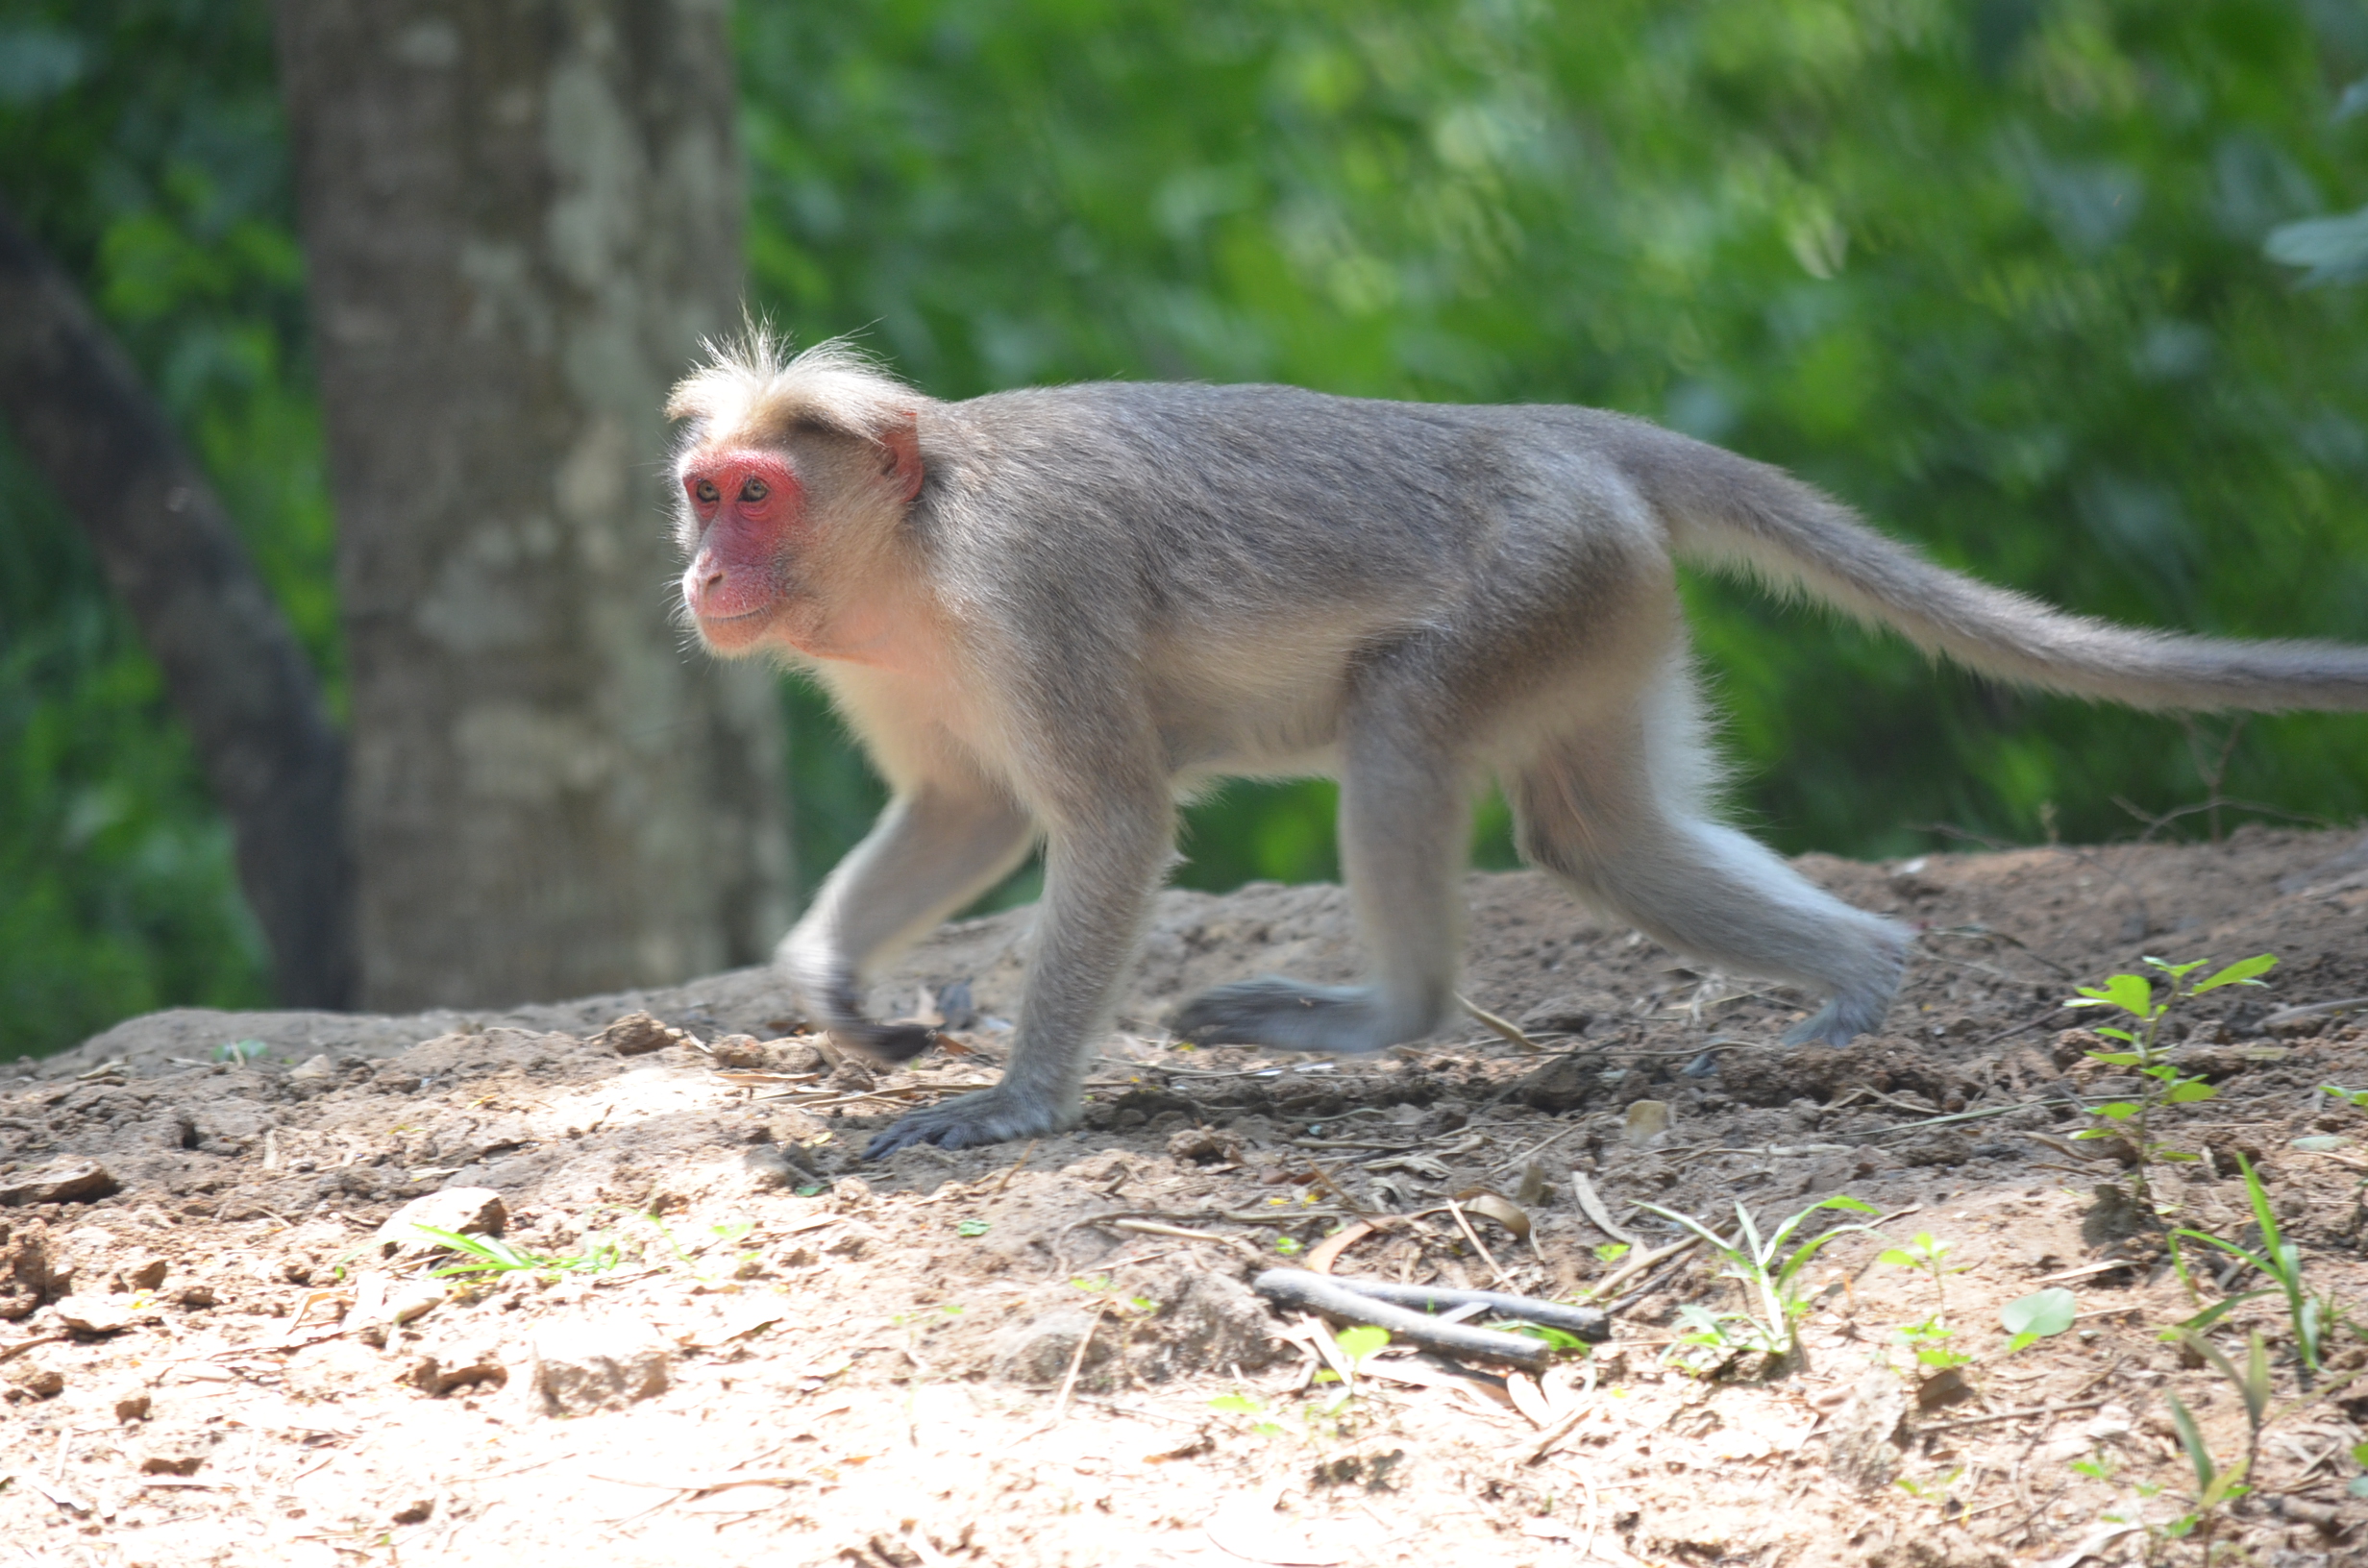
{"points": [[599, 1364], [464, 1211], [100, 1315], [67, 1181]]}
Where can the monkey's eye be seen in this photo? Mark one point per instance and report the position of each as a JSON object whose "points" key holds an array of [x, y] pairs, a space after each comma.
{"points": [[709, 495], [754, 490]]}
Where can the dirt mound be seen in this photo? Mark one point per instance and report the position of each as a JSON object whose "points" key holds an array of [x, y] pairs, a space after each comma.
{"points": [[697, 1324]]}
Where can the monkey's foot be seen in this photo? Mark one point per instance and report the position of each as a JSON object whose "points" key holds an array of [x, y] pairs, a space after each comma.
{"points": [[887, 1043], [969, 1121], [1289, 1016], [1841, 1022]]}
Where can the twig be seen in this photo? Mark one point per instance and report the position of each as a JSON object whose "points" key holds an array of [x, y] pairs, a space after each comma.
{"points": [[2016, 1029], [1076, 1361], [1650, 1260], [1322, 1294], [1456, 1210], [1498, 1026], [2313, 1010], [1015, 1166], [2032, 1414]]}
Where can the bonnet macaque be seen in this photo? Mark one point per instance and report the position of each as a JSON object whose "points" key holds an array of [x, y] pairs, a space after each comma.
{"points": [[1049, 612]]}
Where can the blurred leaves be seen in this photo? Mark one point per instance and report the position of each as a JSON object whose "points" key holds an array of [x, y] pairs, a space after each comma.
{"points": [[141, 140], [1990, 270]]}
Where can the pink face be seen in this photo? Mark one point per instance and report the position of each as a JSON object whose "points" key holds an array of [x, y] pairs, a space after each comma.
{"points": [[750, 507]]}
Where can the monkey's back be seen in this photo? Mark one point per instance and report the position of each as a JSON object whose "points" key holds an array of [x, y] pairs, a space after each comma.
{"points": [[1248, 547]]}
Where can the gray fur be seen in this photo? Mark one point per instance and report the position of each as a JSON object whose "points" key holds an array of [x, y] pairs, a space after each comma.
{"points": [[1146, 586]]}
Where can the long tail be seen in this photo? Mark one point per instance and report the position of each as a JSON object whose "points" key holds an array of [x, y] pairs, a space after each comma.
{"points": [[1736, 514]]}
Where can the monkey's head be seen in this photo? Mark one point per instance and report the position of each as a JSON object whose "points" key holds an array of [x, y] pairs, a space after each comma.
{"points": [[794, 475]]}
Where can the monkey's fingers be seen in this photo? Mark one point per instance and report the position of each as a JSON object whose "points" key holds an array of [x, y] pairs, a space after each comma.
{"points": [[970, 1120], [887, 1043]]}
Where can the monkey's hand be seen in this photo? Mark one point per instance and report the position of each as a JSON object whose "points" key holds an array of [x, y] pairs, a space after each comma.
{"points": [[967, 1121]]}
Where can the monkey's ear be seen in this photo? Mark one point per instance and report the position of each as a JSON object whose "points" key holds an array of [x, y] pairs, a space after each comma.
{"points": [[901, 440]]}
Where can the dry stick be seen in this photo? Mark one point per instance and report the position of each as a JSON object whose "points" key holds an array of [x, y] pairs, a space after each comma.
{"points": [[1499, 1026], [1155, 1227], [1474, 1236], [1015, 1166], [2313, 1010], [1548, 1439], [2032, 1414], [1069, 1384], [1650, 1260]]}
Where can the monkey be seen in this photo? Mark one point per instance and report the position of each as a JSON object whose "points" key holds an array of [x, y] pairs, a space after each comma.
{"points": [[1050, 613]]}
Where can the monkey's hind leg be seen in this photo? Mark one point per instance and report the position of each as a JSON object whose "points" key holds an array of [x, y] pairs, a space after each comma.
{"points": [[1402, 832], [1614, 812]]}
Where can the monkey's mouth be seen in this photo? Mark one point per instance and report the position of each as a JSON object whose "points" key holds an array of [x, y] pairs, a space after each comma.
{"points": [[731, 632]]}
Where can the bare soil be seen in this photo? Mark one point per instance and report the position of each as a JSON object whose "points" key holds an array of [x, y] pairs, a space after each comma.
{"points": [[762, 1350]]}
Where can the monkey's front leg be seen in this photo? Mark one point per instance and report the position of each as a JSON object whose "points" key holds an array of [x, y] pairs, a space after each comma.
{"points": [[936, 847], [1098, 878]]}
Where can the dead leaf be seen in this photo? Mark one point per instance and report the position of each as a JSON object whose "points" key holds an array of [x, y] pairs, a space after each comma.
{"points": [[1592, 1206], [1529, 1399], [1498, 1207], [1327, 1252]]}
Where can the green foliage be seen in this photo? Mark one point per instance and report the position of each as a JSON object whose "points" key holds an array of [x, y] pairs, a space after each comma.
{"points": [[483, 1255], [2160, 1082], [2282, 1263], [2215, 1485], [1992, 272], [1929, 1255], [2037, 1316], [1929, 1343], [141, 140], [1768, 1268]]}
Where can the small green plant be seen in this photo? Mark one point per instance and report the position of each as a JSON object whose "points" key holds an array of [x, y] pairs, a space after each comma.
{"points": [[2098, 1466], [1262, 1421], [484, 1255], [1770, 1271], [2282, 1262], [2215, 1486], [2357, 1098], [1357, 1343], [971, 1227], [1097, 1284], [1928, 1341], [2037, 1316], [239, 1051], [1929, 1254], [1290, 1246], [2251, 1384], [1608, 1253], [1931, 1488], [2160, 1082], [1562, 1339]]}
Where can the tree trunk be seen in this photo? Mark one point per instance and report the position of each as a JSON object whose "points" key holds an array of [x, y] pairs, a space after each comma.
{"points": [[237, 677], [520, 220]]}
